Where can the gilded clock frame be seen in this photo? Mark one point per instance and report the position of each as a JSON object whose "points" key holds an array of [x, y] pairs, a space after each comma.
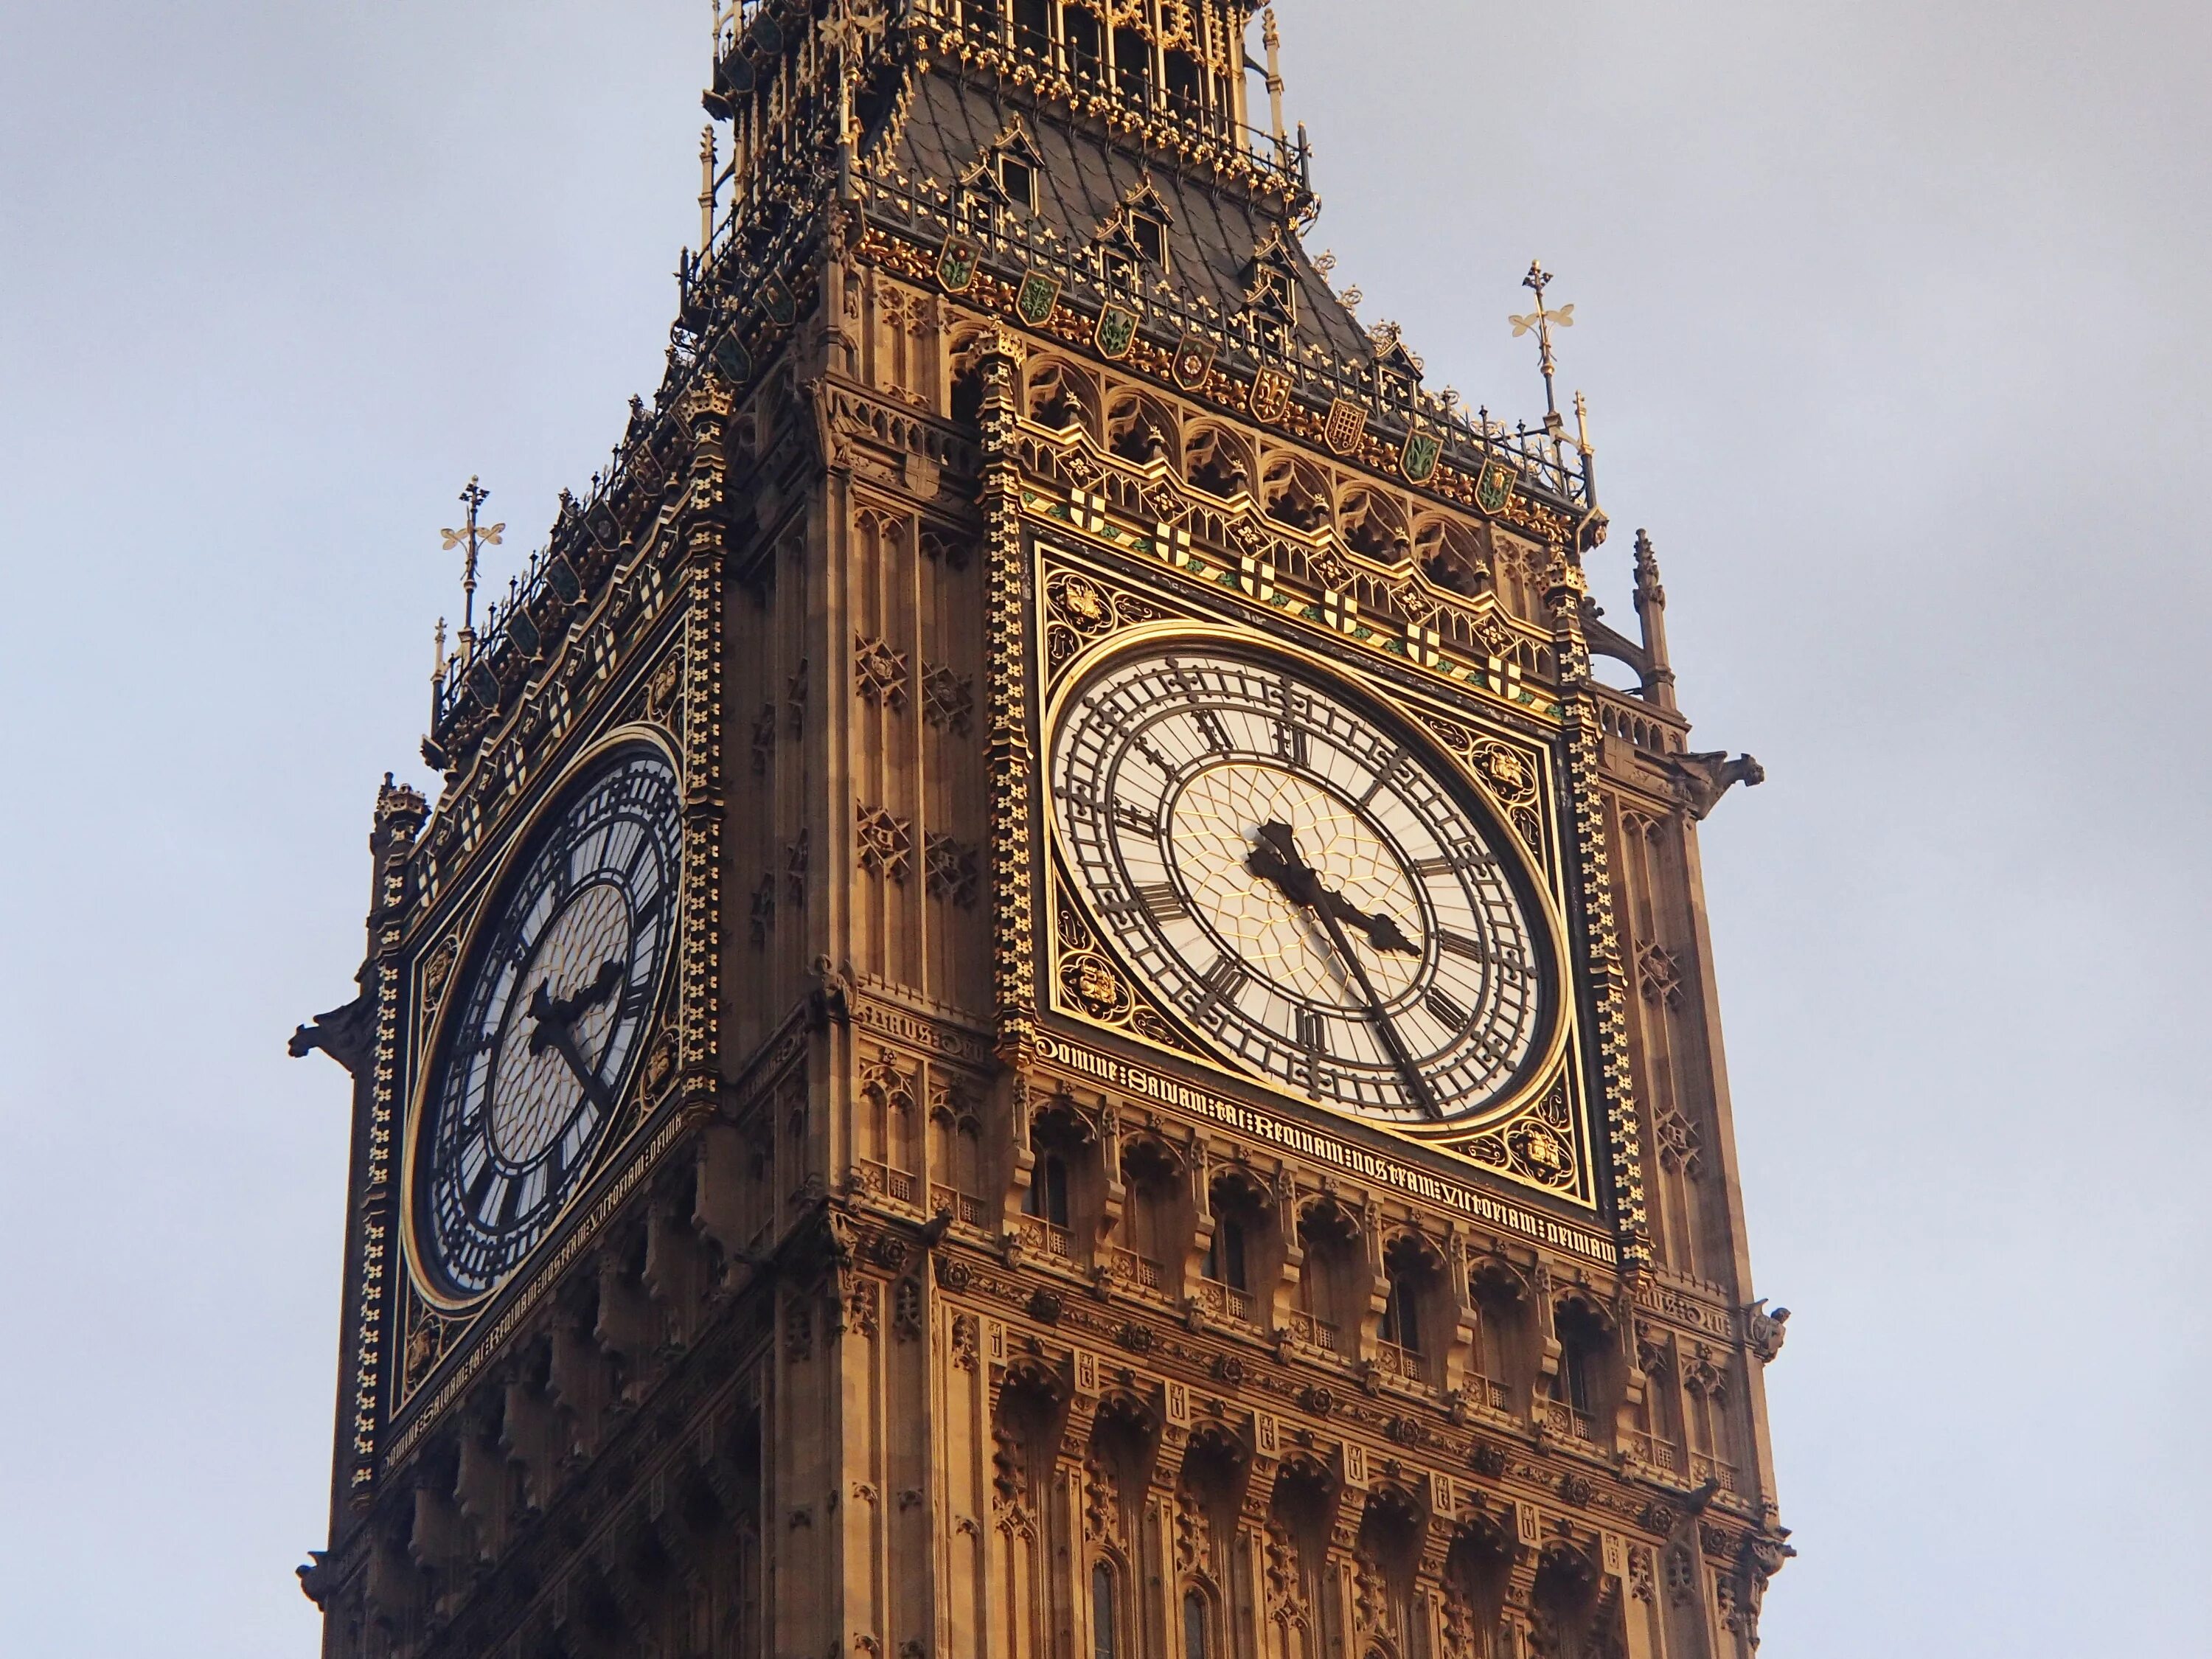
{"points": [[1551, 1111]]}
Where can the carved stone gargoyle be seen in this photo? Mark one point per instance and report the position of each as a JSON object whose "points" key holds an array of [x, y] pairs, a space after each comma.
{"points": [[1702, 779], [345, 1034]]}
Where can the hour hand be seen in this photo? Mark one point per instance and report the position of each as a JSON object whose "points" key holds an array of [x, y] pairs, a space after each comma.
{"points": [[556, 1014], [1382, 933]]}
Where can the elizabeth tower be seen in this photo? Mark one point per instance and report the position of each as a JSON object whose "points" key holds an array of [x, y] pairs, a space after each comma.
{"points": [[1045, 1014]]}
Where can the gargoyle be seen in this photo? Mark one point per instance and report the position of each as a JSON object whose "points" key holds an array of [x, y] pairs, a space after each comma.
{"points": [[344, 1034], [1702, 779]]}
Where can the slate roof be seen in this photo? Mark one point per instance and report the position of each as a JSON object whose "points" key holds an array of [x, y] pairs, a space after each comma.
{"points": [[1084, 179]]}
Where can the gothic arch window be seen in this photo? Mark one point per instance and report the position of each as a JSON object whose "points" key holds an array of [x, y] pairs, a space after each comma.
{"points": [[1195, 1623], [1132, 67], [1105, 1632], [1047, 1199], [1401, 1308], [1153, 1221], [1497, 1321], [1583, 1383], [1330, 1288], [1217, 462], [1186, 84], [1228, 1254]]}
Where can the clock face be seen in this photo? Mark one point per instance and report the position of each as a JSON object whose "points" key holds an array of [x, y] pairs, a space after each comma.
{"points": [[548, 1019], [1301, 882]]}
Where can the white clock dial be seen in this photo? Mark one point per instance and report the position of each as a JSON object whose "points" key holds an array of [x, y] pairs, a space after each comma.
{"points": [[1301, 881]]}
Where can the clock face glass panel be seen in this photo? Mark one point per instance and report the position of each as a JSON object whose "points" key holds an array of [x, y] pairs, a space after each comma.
{"points": [[1300, 882], [548, 1020]]}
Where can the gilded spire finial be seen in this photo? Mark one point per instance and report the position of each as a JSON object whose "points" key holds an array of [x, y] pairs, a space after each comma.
{"points": [[1540, 323], [472, 537]]}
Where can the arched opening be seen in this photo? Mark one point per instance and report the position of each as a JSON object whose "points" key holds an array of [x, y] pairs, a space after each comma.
{"points": [[1105, 1620], [1500, 1321], [1583, 1385], [1197, 1625], [1216, 462], [1047, 1198], [1331, 1293], [1415, 1315], [1239, 1254], [1153, 1223]]}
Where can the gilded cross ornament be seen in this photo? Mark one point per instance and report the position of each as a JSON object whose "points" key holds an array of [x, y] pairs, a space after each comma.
{"points": [[1540, 322], [472, 537]]}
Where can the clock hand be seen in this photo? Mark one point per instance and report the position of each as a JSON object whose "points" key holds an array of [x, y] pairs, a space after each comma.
{"points": [[563, 1041], [1275, 858], [548, 1010], [555, 1028]]}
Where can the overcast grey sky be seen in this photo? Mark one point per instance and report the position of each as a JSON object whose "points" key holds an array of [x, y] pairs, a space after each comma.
{"points": [[1891, 320]]}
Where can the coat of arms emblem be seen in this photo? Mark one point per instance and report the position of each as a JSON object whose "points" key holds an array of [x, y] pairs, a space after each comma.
{"points": [[1271, 395], [1494, 488], [1347, 424], [1038, 294], [1117, 328], [1193, 361], [1418, 460], [955, 265], [782, 309], [732, 361]]}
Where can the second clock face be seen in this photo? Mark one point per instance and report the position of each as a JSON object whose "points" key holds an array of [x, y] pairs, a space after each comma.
{"points": [[1311, 889], [551, 1014]]}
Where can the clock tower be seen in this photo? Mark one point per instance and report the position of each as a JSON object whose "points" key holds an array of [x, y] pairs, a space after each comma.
{"points": [[1045, 1014]]}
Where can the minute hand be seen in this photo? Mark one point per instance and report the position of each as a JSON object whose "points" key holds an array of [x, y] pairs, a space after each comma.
{"points": [[1300, 884]]}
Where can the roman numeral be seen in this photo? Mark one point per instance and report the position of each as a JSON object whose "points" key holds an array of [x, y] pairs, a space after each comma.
{"points": [[1459, 945], [1448, 1013], [1438, 867], [1162, 903], [1137, 819], [1292, 745], [1219, 989], [1383, 774]]}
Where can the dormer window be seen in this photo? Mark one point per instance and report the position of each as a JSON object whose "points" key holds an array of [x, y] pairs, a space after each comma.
{"points": [[1007, 169], [1271, 290], [1135, 237], [1151, 237]]}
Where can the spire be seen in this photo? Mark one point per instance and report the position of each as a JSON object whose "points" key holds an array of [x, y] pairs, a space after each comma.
{"points": [[1651, 610]]}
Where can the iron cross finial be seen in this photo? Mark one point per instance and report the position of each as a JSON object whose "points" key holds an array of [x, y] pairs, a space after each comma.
{"points": [[1540, 323], [472, 539]]}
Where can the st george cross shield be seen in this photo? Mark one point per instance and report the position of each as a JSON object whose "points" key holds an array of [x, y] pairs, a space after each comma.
{"points": [[1193, 361], [1419, 457], [1039, 295], [1271, 395], [1347, 424], [955, 265], [1117, 327], [1494, 486]]}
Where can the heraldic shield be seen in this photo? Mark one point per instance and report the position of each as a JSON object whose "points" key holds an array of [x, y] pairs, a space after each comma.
{"points": [[1271, 395], [955, 265], [1193, 361], [1039, 295], [1347, 424], [1494, 488], [1418, 460], [1117, 329]]}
